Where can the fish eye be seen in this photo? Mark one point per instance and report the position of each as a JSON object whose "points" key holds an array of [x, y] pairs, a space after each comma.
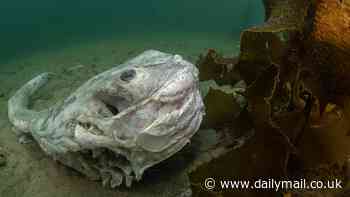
{"points": [[128, 75]]}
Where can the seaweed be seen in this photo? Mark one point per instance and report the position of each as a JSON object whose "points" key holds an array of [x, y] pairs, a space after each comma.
{"points": [[296, 67], [213, 66]]}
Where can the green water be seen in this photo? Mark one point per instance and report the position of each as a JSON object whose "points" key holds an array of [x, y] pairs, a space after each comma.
{"points": [[28, 26], [55, 36]]}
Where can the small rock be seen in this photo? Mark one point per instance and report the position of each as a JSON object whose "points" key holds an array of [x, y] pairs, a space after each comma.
{"points": [[93, 66], [77, 67], [3, 160]]}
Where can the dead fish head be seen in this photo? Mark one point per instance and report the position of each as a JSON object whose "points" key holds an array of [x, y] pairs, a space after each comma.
{"points": [[142, 112]]}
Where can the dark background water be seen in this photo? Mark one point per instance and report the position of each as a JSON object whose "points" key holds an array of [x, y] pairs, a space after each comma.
{"points": [[40, 24]]}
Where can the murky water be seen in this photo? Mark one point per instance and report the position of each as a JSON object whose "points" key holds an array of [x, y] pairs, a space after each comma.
{"points": [[44, 24], [60, 35]]}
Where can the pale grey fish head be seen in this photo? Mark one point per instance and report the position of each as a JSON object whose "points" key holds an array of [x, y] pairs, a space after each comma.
{"points": [[142, 112]]}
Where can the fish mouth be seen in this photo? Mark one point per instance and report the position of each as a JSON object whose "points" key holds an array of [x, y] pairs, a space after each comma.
{"points": [[114, 101]]}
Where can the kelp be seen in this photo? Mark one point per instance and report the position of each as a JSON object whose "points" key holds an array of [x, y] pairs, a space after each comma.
{"points": [[314, 67], [213, 66], [220, 114], [328, 51], [269, 62], [325, 57], [220, 82], [271, 41], [297, 69]]}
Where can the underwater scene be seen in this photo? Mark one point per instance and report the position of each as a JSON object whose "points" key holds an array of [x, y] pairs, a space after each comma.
{"points": [[243, 98]]}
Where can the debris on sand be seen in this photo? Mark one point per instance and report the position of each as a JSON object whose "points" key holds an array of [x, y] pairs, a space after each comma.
{"points": [[73, 68], [3, 159]]}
